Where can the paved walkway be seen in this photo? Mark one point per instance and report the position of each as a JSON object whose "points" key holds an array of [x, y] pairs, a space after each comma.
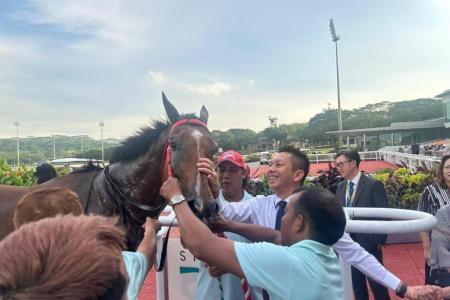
{"points": [[404, 260]]}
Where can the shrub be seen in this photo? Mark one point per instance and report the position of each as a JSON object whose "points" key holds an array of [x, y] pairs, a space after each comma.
{"points": [[20, 176], [259, 186], [404, 187]]}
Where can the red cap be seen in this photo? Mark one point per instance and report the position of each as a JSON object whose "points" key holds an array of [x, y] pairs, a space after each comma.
{"points": [[233, 157]]}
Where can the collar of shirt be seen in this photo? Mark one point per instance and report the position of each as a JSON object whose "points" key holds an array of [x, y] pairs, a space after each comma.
{"points": [[277, 199], [245, 197], [314, 246], [356, 179]]}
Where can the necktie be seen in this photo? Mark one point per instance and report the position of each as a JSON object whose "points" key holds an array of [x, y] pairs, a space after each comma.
{"points": [[351, 185], [280, 213]]}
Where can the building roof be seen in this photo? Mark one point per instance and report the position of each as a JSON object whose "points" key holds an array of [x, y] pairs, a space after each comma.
{"points": [[396, 126]]}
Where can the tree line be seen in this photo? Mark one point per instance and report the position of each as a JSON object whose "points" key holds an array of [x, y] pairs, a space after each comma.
{"points": [[35, 149]]}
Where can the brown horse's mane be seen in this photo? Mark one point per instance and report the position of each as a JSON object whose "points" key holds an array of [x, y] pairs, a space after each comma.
{"points": [[138, 144], [87, 168]]}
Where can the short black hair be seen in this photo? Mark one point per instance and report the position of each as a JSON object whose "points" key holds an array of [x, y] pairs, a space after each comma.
{"points": [[350, 154], [323, 212], [300, 160], [44, 172]]}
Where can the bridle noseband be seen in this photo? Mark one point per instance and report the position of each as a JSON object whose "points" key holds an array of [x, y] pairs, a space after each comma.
{"points": [[166, 160]]}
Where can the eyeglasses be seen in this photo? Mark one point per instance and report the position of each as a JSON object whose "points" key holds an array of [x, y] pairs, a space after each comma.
{"points": [[341, 164]]}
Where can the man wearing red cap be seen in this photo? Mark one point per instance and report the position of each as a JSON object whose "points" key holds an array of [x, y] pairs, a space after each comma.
{"points": [[233, 178]]}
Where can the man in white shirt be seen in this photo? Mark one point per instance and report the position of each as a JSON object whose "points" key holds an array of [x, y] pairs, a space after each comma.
{"points": [[287, 172]]}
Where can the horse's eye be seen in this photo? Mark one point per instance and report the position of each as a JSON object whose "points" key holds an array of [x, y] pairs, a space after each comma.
{"points": [[173, 145]]}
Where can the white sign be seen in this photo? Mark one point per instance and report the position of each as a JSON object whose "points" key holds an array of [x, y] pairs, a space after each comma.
{"points": [[180, 272]]}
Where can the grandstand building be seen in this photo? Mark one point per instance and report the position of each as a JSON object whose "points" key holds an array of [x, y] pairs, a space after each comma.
{"points": [[399, 133]]}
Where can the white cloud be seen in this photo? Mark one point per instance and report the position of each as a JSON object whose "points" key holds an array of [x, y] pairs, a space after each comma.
{"points": [[212, 89], [158, 77]]}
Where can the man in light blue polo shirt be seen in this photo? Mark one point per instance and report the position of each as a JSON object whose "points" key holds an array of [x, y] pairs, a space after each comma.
{"points": [[304, 267]]}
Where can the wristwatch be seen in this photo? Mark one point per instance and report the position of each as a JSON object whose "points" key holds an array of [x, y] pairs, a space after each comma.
{"points": [[177, 199], [401, 290]]}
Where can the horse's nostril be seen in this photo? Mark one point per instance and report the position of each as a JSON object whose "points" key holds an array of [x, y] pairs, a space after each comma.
{"points": [[216, 208]]}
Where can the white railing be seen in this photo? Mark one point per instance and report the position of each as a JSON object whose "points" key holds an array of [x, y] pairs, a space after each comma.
{"points": [[412, 161], [329, 157], [403, 221]]}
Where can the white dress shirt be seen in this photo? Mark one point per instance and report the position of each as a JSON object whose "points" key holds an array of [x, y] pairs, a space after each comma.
{"points": [[262, 210]]}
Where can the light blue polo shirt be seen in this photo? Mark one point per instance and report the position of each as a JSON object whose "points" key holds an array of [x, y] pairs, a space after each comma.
{"points": [[137, 269], [307, 270]]}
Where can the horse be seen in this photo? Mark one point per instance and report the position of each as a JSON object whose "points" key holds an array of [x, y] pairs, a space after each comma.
{"points": [[129, 186]]}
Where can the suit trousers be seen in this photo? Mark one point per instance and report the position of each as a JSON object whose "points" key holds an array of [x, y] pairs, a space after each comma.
{"points": [[360, 290]]}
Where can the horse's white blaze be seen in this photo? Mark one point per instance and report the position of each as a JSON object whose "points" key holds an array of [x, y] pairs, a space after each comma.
{"points": [[197, 135]]}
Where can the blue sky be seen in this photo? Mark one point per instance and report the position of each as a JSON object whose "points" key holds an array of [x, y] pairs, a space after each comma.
{"points": [[66, 65]]}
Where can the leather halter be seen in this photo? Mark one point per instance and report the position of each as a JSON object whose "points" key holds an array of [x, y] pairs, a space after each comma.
{"points": [[166, 160]]}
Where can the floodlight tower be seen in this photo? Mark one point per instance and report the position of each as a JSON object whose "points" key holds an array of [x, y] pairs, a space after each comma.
{"points": [[335, 38], [17, 124], [102, 124]]}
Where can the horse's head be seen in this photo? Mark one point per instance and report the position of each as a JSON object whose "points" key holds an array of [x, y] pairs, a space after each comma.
{"points": [[189, 139]]}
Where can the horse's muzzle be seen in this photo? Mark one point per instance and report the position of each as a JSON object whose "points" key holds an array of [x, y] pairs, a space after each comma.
{"points": [[210, 210]]}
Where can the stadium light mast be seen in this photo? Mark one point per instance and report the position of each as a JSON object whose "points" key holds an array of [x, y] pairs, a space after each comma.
{"points": [[17, 124], [335, 38], [54, 147], [102, 124]]}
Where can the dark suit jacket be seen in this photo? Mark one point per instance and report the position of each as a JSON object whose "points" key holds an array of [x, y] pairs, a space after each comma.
{"points": [[369, 193]]}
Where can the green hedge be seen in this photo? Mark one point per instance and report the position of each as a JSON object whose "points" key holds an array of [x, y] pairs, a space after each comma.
{"points": [[21, 176]]}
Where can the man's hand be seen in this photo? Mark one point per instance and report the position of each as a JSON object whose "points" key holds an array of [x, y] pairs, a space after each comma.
{"points": [[424, 292], [206, 167], [170, 188], [446, 292], [151, 226], [214, 271], [219, 224]]}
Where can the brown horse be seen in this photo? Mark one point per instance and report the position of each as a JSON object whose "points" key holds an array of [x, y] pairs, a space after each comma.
{"points": [[129, 186]]}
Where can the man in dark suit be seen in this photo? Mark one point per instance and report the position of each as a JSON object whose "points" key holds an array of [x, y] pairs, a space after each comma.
{"points": [[360, 190]]}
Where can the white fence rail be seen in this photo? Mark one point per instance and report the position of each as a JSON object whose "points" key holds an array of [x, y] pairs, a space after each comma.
{"points": [[412, 161], [329, 157]]}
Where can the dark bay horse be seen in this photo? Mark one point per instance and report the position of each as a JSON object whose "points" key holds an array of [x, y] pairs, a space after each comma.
{"points": [[129, 186]]}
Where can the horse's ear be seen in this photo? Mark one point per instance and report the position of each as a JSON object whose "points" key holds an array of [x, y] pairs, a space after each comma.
{"points": [[171, 111], [204, 115]]}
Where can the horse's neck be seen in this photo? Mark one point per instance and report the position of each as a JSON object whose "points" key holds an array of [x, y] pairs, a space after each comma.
{"points": [[140, 180], [80, 183]]}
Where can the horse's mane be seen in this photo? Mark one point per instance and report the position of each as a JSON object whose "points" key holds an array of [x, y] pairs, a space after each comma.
{"points": [[139, 143], [87, 168]]}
